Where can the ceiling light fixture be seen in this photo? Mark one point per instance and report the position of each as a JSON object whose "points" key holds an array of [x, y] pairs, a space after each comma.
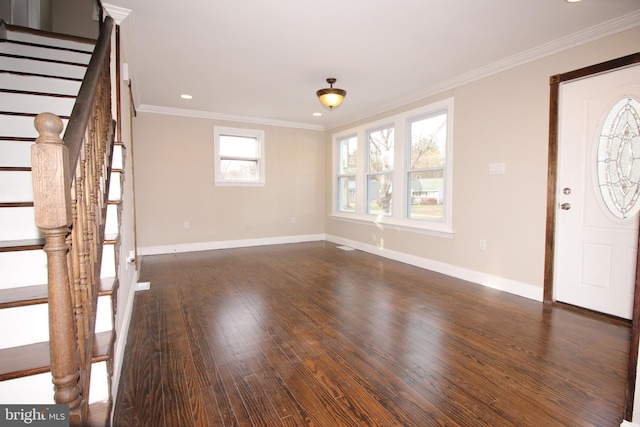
{"points": [[185, 96], [331, 97]]}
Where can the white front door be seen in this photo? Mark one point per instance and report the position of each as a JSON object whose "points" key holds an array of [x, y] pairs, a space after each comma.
{"points": [[598, 192]]}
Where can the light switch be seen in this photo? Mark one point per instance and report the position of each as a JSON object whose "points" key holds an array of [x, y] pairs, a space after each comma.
{"points": [[497, 168]]}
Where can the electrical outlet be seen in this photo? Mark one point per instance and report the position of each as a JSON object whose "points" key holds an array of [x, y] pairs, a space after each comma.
{"points": [[483, 245], [186, 225]]}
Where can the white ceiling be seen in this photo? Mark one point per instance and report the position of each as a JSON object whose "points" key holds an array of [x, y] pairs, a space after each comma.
{"points": [[264, 60]]}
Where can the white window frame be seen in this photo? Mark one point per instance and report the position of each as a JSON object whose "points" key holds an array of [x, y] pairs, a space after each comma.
{"points": [[259, 135], [400, 195], [342, 175]]}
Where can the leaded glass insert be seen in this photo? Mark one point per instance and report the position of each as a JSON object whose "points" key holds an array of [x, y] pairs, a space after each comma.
{"points": [[618, 159]]}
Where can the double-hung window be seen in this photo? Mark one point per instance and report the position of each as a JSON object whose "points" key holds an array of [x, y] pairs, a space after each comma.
{"points": [[406, 177], [426, 172], [380, 172], [348, 168], [239, 156]]}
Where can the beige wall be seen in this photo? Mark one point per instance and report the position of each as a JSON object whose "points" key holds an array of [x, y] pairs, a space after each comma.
{"points": [[74, 17], [501, 118], [174, 184]]}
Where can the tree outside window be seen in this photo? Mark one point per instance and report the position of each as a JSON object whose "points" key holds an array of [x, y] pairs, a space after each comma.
{"points": [[380, 176], [426, 171]]}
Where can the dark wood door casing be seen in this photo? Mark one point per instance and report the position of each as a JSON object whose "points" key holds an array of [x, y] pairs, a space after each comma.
{"points": [[552, 176]]}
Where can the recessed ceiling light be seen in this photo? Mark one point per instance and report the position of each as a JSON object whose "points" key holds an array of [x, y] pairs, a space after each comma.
{"points": [[317, 114], [572, 1], [185, 96]]}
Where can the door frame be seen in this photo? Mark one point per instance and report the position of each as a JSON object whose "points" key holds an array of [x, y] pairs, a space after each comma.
{"points": [[552, 177]]}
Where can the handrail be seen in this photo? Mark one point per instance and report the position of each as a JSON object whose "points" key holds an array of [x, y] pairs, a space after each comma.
{"points": [[70, 193], [82, 108]]}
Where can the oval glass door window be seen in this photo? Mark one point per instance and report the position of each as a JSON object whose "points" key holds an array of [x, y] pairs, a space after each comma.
{"points": [[618, 159]]}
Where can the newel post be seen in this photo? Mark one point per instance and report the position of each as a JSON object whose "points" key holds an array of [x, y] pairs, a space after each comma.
{"points": [[52, 208]]}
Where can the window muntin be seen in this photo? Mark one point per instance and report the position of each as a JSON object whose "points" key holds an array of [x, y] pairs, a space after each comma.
{"points": [[348, 168], [393, 158], [380, 154], [239, 156], [427, 160]]}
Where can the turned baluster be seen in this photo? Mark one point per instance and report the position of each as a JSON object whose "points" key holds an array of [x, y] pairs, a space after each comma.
{"points": [[53, 216]]}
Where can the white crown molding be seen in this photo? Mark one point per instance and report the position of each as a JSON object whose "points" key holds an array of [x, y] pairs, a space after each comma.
{"points": [[605, 29], [118, 13], [608, 28], [156, 109]]}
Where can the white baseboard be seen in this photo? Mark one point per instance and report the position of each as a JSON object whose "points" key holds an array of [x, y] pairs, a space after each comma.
{"points": [[507, 285], [227, 244], [121, 341], [496, 282], [628, 424]]}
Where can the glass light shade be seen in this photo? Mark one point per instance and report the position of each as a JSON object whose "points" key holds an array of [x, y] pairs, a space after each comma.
{"points": [[331, 100], [331, 97]]}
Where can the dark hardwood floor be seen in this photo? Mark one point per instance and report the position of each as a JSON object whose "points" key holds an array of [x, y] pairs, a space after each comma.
{"points": [[308, 334]]}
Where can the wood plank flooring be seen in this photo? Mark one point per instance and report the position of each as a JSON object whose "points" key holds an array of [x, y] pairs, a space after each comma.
{"points": [[310, 335]]}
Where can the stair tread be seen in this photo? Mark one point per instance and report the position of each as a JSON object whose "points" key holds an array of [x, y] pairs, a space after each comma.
{"points": [[34, 359], [51, 61], [18, 138], [13, 31], [13, 113], [38, 294], [48, 76], [21, 245], [15, 168], [16, 204], [46, 46], [36, 93]]}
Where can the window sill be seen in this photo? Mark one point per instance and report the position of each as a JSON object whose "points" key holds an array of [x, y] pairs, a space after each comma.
{"points": [[431, 229]]}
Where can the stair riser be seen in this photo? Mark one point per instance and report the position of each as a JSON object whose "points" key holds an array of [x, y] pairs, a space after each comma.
{"points": [[118, 160], [108, 268], [42, 67], [45, 53], [18, 223], [21, 127], [21, 103], [24, 268], [33, 38], [31, 390], [16, 187], [112, 223], [38, 389], [33, 321], [29, 268], [115, 192], [15, 153], [39, 84]]}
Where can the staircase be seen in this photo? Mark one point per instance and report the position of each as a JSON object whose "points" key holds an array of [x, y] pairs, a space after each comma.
{"points": [[43, 72]]}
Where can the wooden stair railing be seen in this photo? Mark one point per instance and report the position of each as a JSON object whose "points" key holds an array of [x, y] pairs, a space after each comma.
{"points": [[70, 189]]}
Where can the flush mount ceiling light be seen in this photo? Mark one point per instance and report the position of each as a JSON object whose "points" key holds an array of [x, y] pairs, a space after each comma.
{"points": [[331, 97]]}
